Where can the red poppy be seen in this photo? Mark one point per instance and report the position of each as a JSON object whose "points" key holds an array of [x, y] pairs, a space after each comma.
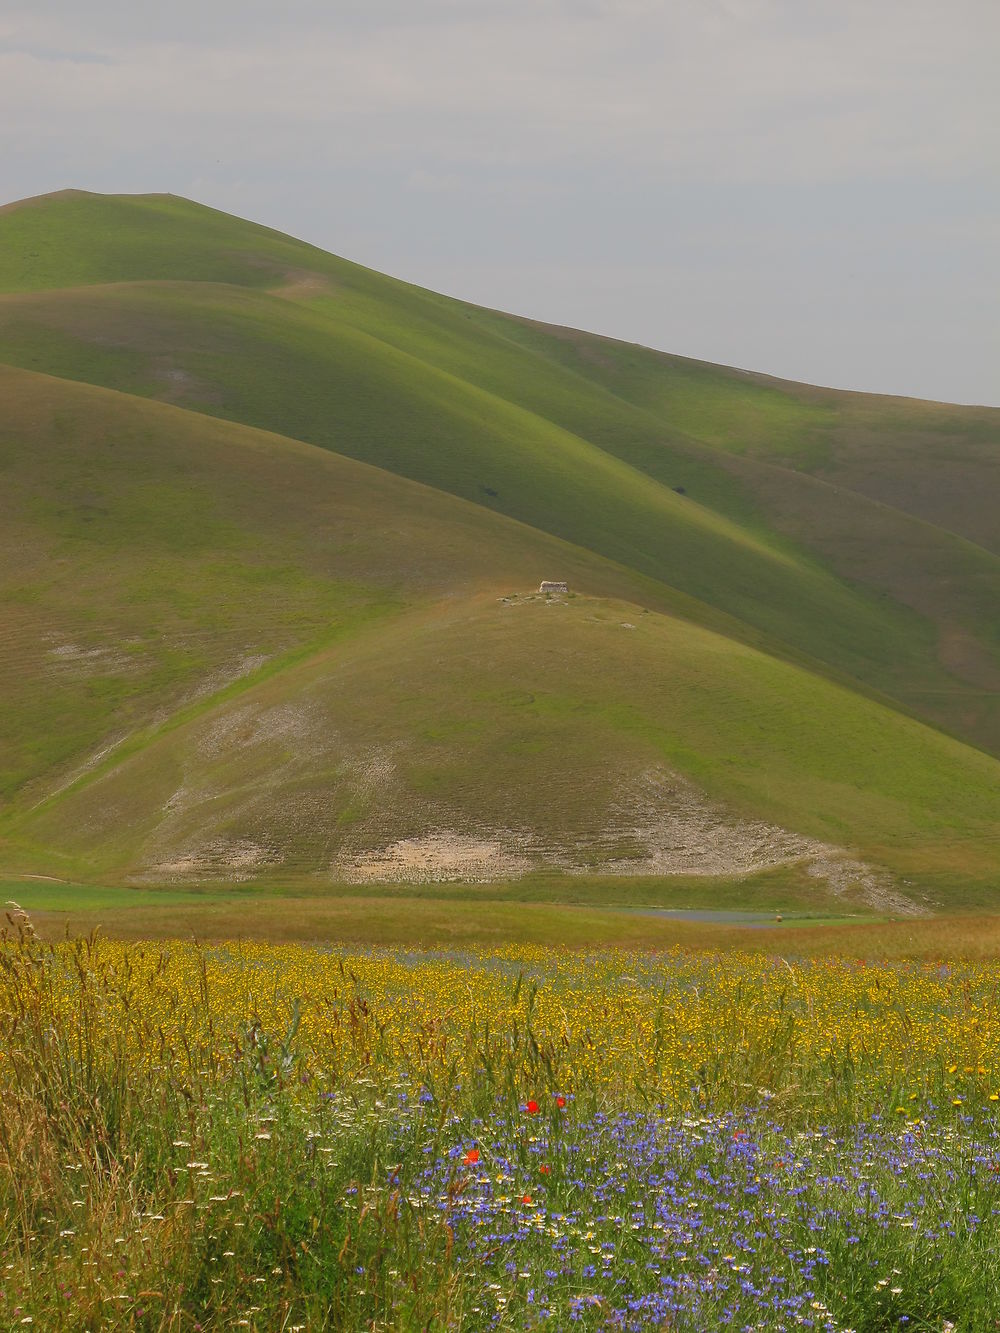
{"points": [[560, 1102], [525, 1198], [532, 1107], [544, 1170], [471, 1157]]}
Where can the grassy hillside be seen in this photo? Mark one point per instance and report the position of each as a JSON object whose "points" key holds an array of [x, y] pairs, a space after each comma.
{"points": [[75, 238], [489, 736], [269, 523], [290, 368], [576, 435], [151, 558], [933, 460]]}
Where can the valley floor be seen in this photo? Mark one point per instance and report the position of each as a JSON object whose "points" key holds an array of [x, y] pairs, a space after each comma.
{"points": [[251, 1135], [775, 913]]}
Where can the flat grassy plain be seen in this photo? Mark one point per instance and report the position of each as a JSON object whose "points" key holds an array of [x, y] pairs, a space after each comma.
{"points": [[261, 1135], [776, 913], [568, 911]]}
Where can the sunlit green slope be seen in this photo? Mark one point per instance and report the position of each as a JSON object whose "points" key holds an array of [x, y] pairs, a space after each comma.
{"points": [[150, 558], [589, 439], [280, 622], [496, 736]]}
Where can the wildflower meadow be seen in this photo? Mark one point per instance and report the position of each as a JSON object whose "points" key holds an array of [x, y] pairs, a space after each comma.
{"points": [[286, 1137]]}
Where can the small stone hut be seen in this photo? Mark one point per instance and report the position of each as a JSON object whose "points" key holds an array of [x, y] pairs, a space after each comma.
{"points": [[553, 585]]}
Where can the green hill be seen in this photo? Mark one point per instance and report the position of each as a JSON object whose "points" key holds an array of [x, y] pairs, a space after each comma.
{"points": [[255, 491]]}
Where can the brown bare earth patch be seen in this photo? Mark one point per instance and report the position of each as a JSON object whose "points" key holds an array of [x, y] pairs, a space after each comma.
{"points": [[302, 286], [234, 861], [292, 283], [660, 826], [443, 855]]}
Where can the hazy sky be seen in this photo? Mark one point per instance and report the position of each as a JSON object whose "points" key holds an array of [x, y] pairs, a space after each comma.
{"points": [[806, 187]]}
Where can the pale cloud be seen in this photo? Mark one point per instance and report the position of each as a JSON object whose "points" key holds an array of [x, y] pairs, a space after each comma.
{"points": [[465, 141], [708, 88]]}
